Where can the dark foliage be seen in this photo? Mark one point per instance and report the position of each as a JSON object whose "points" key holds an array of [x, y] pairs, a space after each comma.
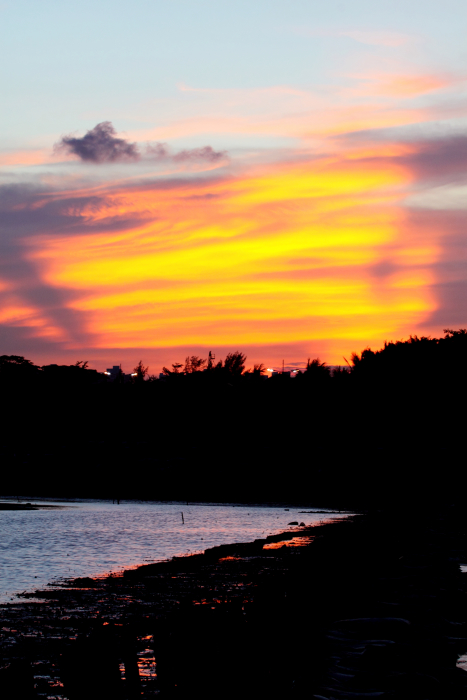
{"points": [[140, 372], [390, 428]]}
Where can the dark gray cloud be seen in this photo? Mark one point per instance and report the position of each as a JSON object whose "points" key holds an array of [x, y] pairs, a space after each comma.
{"points": [[451, 311], [99, 145], [206, 154], [158, 151], [19, 340], [449, 286], [32, 211], [27, 212], [442, 160], [51, 302], [383, 269]]}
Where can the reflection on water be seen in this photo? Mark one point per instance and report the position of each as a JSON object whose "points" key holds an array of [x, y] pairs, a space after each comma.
{"points": [[146, 660], [94, 538], [294, 542]]}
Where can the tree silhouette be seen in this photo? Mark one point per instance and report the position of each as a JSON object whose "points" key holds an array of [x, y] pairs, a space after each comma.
{"points": [[455, 334], [82, 364], [17, 368], [140, 372], [258, 370], [15, 361], [193, 364], [234, 363], [176, 367], [340, 372], [316, 370]]}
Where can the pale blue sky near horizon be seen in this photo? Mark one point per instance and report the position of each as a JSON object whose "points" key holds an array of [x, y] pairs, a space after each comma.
{"points": [[67, 66]]}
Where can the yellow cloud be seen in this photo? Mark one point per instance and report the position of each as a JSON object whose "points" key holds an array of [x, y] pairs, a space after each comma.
{"points": [[277, 254]]}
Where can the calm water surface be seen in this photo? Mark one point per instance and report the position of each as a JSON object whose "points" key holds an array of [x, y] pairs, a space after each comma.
{"points": [[85, 538]]}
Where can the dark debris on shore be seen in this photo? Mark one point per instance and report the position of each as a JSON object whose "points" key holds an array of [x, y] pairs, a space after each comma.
{"points": [[367, 607]]}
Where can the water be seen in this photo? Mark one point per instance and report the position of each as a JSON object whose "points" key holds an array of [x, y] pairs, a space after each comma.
{"points": [[95, 538]]}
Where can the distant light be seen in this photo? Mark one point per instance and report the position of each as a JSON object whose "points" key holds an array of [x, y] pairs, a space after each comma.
{"points": [[107, 373], [270, 370], [134, 374]]}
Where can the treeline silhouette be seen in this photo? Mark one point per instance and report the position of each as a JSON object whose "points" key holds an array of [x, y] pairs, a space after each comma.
{"points": [[386, 428]]}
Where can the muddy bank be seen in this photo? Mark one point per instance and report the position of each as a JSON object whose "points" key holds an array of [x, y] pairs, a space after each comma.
{"points": [[372, 606], [18, 506], [10, 505]]}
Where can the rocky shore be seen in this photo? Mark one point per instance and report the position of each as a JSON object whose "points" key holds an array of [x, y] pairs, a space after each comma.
{"points": [[371, 606]]}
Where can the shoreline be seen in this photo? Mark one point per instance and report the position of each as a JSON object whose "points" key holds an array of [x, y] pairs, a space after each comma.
{"points": [[36, 555], [299, 531], [366, 605], [27, 506], [41, 501]]}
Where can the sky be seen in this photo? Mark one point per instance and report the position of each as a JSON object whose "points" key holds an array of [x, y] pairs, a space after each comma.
{"points": [[288, 179]]}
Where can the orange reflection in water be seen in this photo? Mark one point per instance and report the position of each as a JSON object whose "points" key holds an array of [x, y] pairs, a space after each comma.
{"points": [[294, 542], [230, 559], [147, 666]]}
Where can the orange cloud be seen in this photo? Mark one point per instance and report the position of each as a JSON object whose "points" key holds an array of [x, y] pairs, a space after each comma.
{"points": [[16, 314], [280, 253], [286, 112], [402, 85]]}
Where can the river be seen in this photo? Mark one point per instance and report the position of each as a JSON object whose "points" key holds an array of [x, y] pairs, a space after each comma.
{"points": [[93, 538]]}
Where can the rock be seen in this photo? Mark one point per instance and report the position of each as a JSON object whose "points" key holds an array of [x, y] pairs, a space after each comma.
{"points": [[84, 582]]}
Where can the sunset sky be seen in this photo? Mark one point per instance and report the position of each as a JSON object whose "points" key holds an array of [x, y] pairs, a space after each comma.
{"points": [[288, 179]]}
